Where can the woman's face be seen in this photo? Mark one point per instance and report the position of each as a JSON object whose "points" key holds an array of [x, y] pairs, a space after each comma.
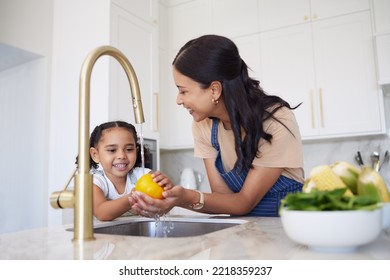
{"points": [[196, 100]]}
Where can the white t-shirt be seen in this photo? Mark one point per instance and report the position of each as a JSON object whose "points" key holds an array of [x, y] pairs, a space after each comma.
{"points": [[101, 180]]}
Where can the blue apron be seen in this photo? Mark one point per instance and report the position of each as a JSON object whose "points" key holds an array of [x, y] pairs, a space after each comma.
{"points": [[270, 203]]}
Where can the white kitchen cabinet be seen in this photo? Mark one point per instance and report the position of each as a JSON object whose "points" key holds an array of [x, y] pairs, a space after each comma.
{"points": [[216, 18], [175, 121], [381, 13], [287, 70], [187, 21], [146, 10], [282, 13], [383, 58], [234, 18], [138, 40], [248, 47], [329, 66], [319, 52]]}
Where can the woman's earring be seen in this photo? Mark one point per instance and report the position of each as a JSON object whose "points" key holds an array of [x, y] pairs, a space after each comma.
{"points": [[215, 102]]}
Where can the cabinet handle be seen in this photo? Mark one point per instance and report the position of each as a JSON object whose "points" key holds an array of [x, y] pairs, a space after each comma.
{"points": [[312, 108], [315, 16], [156, 128], [305, 18], [321, 109]]}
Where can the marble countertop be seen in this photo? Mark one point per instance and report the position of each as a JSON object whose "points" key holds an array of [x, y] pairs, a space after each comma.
{"points": [[258, 238]]}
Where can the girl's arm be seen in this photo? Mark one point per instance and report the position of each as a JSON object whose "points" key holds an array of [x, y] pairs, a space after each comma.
{"points": [[107, 210]]}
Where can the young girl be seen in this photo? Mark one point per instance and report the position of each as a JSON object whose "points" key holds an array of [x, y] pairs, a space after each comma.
{"points": [[116, 162]]}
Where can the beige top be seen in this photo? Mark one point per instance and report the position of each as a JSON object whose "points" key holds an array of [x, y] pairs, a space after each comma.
{"points": [[284, 151]]}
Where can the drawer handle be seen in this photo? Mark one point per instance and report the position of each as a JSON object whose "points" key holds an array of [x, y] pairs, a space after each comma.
{"points": [[156, 128], [321, 109], [312, 108]]}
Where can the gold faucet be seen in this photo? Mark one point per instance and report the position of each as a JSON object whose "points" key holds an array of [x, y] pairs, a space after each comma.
{"points": [[81, 198]]}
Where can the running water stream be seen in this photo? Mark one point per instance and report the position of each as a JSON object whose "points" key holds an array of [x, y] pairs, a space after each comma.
{"points": [[163, 227], [141, 137]]}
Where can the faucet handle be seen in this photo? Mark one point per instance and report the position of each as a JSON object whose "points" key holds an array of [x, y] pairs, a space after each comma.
{"points": [[62, 199]]}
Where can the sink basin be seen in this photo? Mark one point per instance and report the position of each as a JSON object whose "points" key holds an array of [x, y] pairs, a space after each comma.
{"points": [[178, 227]]}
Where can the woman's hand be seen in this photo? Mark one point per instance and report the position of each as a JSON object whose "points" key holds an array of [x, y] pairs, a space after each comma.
{"points": [[145, 205]]}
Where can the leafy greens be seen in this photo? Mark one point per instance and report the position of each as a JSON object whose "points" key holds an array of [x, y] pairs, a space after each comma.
{"points": [[327, 201]]}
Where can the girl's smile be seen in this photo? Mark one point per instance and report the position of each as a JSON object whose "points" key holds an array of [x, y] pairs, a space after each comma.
{"points": [[121, 166]]}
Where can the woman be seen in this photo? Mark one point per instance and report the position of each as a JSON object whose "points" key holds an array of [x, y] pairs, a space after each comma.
{"points": [[249, 141]]}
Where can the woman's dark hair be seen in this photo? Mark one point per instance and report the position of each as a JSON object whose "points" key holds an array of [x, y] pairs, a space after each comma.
{"points": [[98, 132], [215, 58]]}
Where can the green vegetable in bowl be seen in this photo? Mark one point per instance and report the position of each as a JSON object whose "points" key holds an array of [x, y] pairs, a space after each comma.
{"points": [[330, 200]]}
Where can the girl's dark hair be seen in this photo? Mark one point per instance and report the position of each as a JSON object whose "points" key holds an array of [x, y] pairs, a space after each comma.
{"points": [[215, 58], [98, 132]]}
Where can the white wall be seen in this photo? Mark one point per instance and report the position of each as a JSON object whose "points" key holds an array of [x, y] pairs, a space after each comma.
{"points": [[24, 91], [23, 199], [39, 106]]}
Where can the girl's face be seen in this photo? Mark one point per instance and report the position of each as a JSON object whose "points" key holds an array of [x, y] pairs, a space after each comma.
{"points": [[196, 100], [116, 152]]}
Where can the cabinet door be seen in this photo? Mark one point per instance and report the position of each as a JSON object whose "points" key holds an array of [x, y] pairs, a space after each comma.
{"points": [[138, 41], [287, 70], [345, 72], [321, 9], [332, 72], [249, 49], [282, 13], [383, 58], [176, 122], [188, 21], [233, 18], [381, 11], [145, 9]]}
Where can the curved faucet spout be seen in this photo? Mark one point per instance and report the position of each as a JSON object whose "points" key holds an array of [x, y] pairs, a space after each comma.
{"points": [[81, 199], [84, 102], [83, 224]]}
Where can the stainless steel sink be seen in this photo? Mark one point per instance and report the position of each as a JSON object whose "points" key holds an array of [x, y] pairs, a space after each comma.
{"points": [[178, 227]]}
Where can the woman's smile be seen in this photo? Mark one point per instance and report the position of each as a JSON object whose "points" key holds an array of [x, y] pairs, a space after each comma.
{"points": [[189, 110]]}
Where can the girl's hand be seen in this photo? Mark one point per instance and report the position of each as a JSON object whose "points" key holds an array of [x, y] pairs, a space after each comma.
{"points": [[161, 179]]}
